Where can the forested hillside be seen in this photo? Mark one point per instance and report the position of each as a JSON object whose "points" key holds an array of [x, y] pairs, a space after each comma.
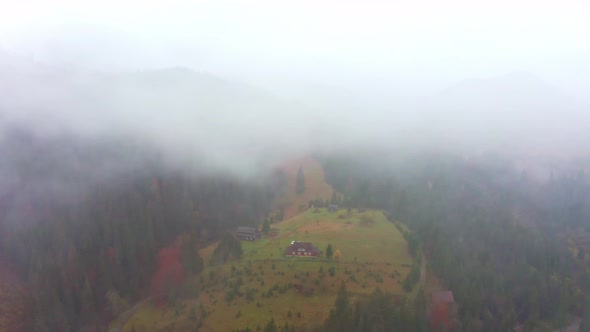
{"points": [[486, 229], [83, 222], [90, 226]]}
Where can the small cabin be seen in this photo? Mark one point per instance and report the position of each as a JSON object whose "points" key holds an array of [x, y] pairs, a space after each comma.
{"points": [[304, 249], [248, 233]]}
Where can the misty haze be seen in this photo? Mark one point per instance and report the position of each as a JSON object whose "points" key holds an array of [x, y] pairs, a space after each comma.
{"points": [[294, 166]]}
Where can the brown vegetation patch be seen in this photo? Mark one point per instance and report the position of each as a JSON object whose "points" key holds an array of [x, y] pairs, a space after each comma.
{"points": [[12, 299], [205, 299], [315, 186]]}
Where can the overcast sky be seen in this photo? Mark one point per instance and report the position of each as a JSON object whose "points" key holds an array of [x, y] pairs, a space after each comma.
{"points": [[413, 45], [391, 64]]}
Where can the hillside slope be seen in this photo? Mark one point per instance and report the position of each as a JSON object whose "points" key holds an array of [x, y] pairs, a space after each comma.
{"points": [[298, 291], [315, 185]]}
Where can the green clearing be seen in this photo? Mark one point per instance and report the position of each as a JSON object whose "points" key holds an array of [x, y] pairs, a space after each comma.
{"points": [[265, 283]]}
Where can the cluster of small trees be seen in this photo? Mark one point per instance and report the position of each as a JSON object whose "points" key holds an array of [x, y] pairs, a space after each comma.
{"points": [[229, 248], [337, 199], [380, 312]]}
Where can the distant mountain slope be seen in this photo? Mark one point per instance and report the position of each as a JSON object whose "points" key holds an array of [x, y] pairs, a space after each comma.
{"points": [[518, 92], [517, 110], [184, 111]]}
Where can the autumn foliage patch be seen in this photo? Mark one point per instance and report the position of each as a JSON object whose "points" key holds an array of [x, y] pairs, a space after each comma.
{"points": [[439, 317], [169, 274]]}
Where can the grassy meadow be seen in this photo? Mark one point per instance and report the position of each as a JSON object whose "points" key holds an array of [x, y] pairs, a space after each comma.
{"points": [[296, 290]]}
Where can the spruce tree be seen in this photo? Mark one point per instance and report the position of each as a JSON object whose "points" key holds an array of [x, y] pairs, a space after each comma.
{"points": [[341, 317], [189, 256], [329, 251], [334, 199], [271, 326], [265, 227], [300, 182]]}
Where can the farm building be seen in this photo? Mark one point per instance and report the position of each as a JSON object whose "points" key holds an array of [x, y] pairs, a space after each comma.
{"points": [[333, 207], [305, 249], [248, 233]]}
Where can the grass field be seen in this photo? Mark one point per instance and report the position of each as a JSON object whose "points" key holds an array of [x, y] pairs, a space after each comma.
{"points": [[297, 290]]}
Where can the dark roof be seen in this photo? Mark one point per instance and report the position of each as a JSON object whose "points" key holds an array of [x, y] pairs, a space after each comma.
{"points": [[304, 245], [442, 297], [247, 230]]}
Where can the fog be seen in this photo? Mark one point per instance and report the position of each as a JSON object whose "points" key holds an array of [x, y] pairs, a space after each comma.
{"points": [[240, 86]]}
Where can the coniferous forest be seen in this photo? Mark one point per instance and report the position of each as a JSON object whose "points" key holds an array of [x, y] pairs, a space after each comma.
{"points": [[91, 227], [493, 235], [81, 245], [294, 166]]}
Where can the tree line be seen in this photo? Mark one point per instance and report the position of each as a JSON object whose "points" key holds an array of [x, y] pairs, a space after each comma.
{"points": [[503, 272]]}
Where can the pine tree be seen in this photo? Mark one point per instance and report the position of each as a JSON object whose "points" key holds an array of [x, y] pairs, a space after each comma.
{"points": [[189, 256], [341, 317], [88, 304], [329, 251], [334, 199], [300, 182], [265, 227], [271, 326]]}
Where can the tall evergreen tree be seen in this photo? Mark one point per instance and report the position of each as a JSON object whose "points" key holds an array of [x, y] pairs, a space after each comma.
{"points": [[329, 251], [271, 326], [189, 256], [265, 227], [300, 182], [341, 317], [334, 199], [88, 304]]}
